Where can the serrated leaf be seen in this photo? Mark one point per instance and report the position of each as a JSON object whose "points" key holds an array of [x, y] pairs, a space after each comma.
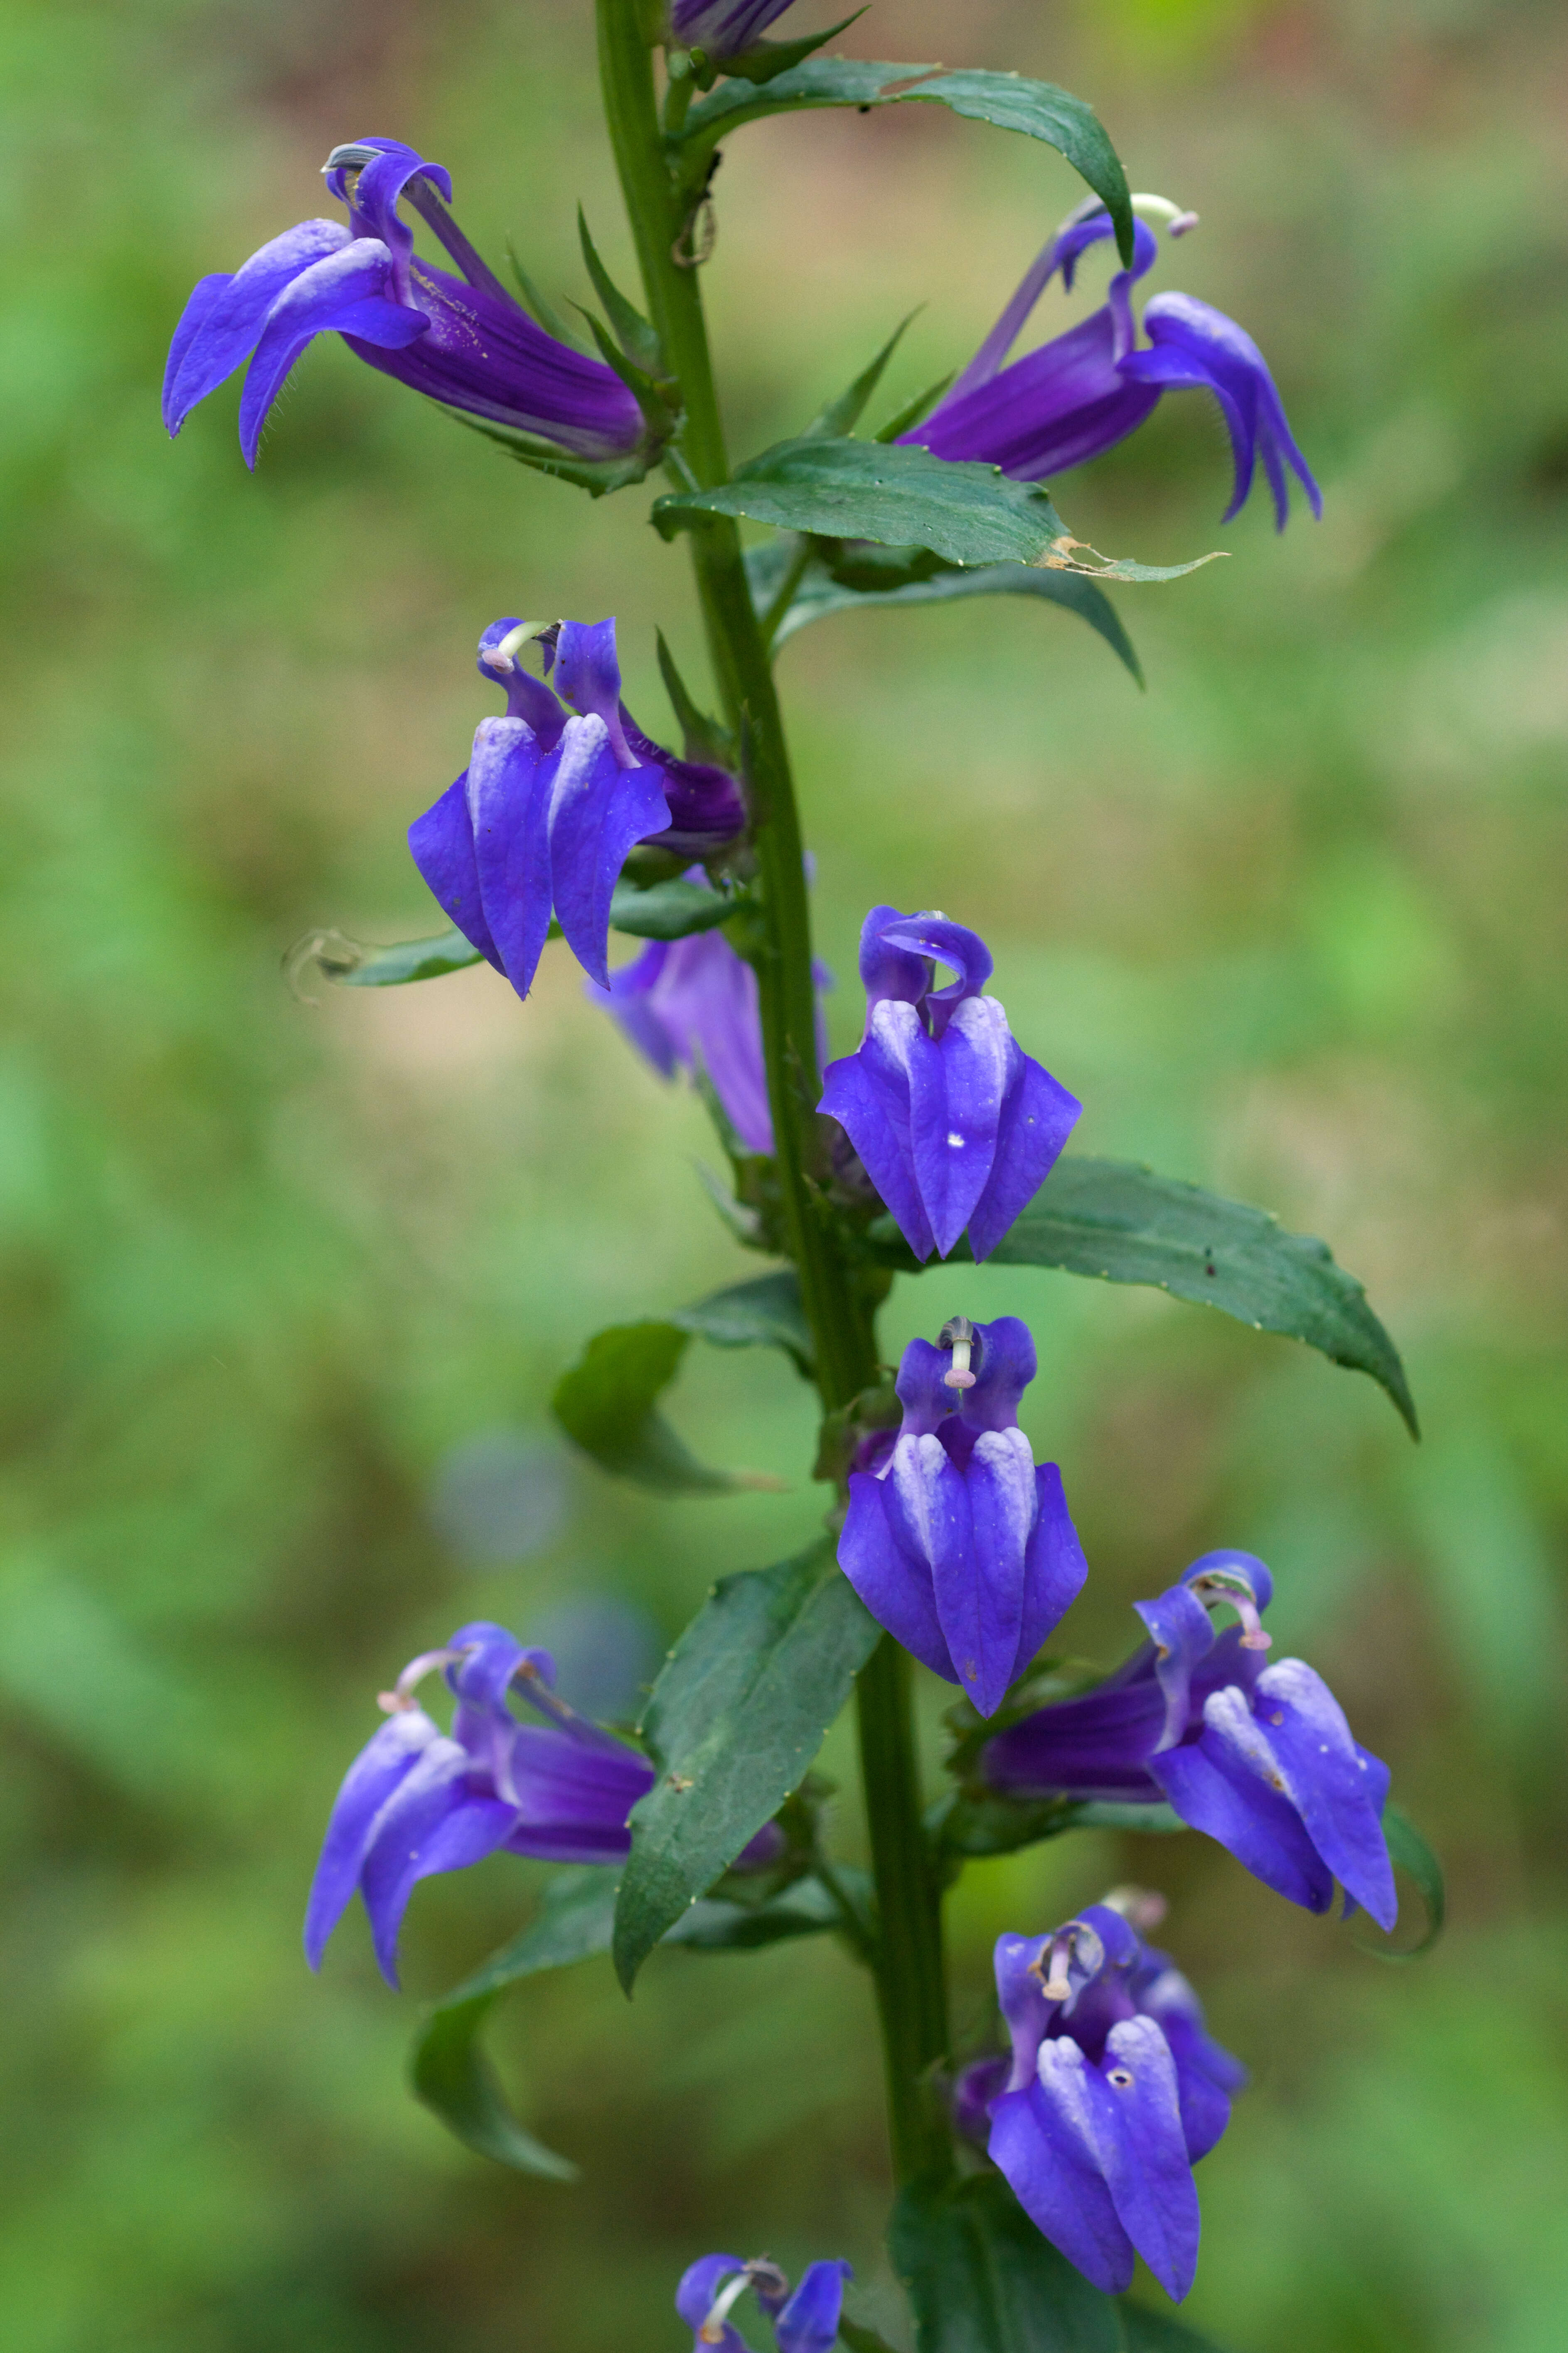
{"points": [[765, 1312], [607, 1404], [843, 415], [818, 594], [1039, 109], [980, 2275], [733, 1723], [1409, 1850], [902, 496], [1120, 1222]]}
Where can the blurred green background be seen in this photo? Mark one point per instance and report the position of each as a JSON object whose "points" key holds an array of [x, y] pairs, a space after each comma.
{"points": [[287, 1285]]}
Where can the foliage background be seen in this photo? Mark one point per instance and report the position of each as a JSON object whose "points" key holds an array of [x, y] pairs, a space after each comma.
{"points": [[285, 1287]]}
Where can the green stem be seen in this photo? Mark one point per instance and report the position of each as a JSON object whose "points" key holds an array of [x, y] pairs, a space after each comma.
{"points": [[908, 1954]]}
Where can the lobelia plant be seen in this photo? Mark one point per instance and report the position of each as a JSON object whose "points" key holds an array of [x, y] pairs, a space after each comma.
{"points": [[1026, 2181]]}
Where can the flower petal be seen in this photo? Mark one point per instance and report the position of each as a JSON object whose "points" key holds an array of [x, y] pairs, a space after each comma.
{"points": [[1044, 2138], [344, 291], [980, 1599], [587, 675], [1195, 344], [1182, 1633], [956, 1086], [1038, 1116], [1206, 2074], [1227, 1784], [809, 2321], [509, 783], [869, 1094], [694, 2299], [436, 1820], [893, 1580], [379, 1769], [1096, 1746], [598, 811], [1338, 1788], [224, 318], [1053, 1566], [1146, 2155], [442, 845]]}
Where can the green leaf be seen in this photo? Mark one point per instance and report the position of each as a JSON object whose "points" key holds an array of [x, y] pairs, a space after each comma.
{"points": [[860, 2339], [818, 593], [1036, 108], [715, 1925], [982, 2279], [1410, 1852], [703, 738], [450, 2072], [606, 1405], [1122, 1223], [595, 475], [638, 339], [1155, 2332], [672, 910], [980, 1826], [765, 60], [358, 964], [766, 1312], [733, 1723], [843, 415], [898, 495], [539, 305], [869, 490]]}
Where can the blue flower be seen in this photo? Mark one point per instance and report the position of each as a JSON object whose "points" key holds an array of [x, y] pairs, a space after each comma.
{"points": [[551, 803], [417, 1801], [1258, 1757], [1088, 390], [954, 1125], [805, 2322], [1113, 2094], [960, 1544], [692, 1003], [723, 28], [464, 340]]}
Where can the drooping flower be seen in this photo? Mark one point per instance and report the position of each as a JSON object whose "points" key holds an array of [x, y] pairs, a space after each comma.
{"points": [[692, 1003], [417, 1801], [554, 796], [805, 2322], [1078, 395], [959, 1543], [463, 341], [722, 27], [1258, 1757], [1113, 2092], [956, 1126]]}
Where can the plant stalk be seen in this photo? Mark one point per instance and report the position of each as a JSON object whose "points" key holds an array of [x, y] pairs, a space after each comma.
{"points": [[907, 1961]]}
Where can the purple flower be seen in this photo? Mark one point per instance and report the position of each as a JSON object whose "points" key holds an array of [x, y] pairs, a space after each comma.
{"points": [[954, 1125], [723, 28], [805, 2322], [692, 1003], [960, 1544], [1114, 2092], [417, 1801], [1260, 1757], [1088, 390], [464, 340], [550, 804]]}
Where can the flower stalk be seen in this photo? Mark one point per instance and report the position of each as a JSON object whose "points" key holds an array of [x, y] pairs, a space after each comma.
{"points": [[906, 1957]]}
